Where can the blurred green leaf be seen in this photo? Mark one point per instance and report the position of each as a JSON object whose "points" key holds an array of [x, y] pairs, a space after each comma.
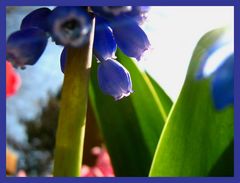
{"points": [[131, 127], [196, 140]]}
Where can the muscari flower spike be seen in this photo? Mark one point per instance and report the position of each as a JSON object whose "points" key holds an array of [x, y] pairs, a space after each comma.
{"points": [[36, 18], [111, 11], [138, 13], [218, 63], [130, 38], [114, 79], [25, 47], [104, 46], [70, 26], [124, 22]]}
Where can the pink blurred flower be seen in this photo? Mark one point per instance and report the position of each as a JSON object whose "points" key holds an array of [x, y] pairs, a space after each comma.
{"points": [[13, 80], [21, 173], [102, 168]]}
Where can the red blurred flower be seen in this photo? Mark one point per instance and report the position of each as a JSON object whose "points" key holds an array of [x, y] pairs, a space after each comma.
{"points": [[103, 167], [13, 80]]}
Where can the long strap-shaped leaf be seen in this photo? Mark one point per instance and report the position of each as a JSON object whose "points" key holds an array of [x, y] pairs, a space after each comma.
{"points": [[197, 138], [131, 127]]}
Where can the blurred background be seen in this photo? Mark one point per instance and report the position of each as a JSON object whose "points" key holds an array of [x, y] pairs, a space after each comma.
{"points": [[32, 113]]}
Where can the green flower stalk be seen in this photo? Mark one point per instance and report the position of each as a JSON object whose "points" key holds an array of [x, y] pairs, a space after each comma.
{"points": [[71, 124]]}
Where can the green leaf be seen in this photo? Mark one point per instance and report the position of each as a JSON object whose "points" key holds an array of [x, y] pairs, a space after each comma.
{"points": [[165, 99], [225, 164], [131, 127], [197, 138]]}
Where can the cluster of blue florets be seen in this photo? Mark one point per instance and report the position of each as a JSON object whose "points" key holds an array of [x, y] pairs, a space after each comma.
{"points": [[69, 26], [116, 26]]}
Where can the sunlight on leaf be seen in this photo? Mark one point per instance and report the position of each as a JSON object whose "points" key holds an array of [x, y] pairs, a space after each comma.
{"points": [[196, 140]]}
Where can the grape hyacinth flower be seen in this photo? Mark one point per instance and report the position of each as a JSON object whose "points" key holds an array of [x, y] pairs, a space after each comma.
{"points": [[69, 26], [72, 27], [138, 13], [36, 18], [104, 46], [218, 63], [124, 22], [25, 47], [114, 79]]}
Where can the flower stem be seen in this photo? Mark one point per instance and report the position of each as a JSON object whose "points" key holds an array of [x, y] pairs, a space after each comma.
{"points": [[72, 118]]}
